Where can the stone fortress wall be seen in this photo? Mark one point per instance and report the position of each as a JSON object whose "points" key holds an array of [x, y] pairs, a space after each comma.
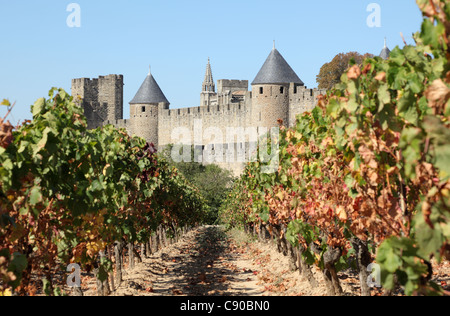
{"points": [[232, 106]]}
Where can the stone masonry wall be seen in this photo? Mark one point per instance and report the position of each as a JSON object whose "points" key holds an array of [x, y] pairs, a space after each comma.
{"points": [[224, 85], [102, 100], [270, 103], [301, 100]]}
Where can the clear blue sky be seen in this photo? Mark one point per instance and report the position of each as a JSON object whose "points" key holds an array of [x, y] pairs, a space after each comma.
{"points": [[39, 51]]}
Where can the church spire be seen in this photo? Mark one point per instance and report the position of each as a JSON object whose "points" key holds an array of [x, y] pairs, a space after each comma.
{"points": [[208, 83]]}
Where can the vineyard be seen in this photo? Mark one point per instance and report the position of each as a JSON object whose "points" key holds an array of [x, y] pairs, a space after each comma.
{"points": [[365, 177], [70, 195], [363, 184]]}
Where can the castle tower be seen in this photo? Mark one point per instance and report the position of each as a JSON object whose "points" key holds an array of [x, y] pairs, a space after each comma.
{"points": [[208, 87], [101, 98], [270, 91], [386, 52], [145, 107]]}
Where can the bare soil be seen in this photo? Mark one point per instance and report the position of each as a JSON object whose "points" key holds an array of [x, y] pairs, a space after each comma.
{"points": [[210, 262]]}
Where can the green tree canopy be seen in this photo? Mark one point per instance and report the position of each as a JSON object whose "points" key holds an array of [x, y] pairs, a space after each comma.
{"points": [[213, 182]]}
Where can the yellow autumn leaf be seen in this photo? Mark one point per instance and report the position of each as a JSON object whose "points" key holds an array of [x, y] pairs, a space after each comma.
{"points": [[288, 135], [93, 248], [108, 170], [5, 102], [446, 193], [280, 195], [6, 293]]}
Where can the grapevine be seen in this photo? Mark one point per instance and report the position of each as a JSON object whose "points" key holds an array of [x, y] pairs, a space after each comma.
{"points": [[69, 195], [365, 175]]}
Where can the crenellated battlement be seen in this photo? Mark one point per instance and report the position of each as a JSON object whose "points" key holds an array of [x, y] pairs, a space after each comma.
{"points": [[233, 106], [101, 98]]}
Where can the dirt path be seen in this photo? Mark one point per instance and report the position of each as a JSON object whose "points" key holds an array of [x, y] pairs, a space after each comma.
{"points": [[204, 263], [210, 262]]}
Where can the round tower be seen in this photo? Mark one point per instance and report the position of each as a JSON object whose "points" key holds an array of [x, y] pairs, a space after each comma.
{"points": [[270, 91], [144, 109]]}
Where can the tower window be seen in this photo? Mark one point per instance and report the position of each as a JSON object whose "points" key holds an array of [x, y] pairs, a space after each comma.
{"points": [[282, 90], [261, 90], [143, 109]]}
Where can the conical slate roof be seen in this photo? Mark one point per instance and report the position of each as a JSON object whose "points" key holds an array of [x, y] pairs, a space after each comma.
{"points": [[276, 71], [149, 92], [386, 52]]}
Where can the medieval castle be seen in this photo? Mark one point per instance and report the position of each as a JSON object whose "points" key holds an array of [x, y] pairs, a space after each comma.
{"points": [[276, 93]]}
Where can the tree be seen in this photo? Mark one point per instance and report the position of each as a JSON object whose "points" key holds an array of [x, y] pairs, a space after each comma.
{"points": [[213, 182], [330, 73]]}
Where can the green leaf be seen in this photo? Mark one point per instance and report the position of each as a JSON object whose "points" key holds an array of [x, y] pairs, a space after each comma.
{"points": [[333, 108], [432, 33], [97, 185], [397, 56], [388, 280], [349, 181], [384, 96], [392, 262], [406, 101], [352, 105], [7, 164], [443, 160], [108, 170], [429, 240], [35, 195], [43, 142], [265, 216], [387, 257], [18, 263], [47, 287], [411, 115], [38, 107]]}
